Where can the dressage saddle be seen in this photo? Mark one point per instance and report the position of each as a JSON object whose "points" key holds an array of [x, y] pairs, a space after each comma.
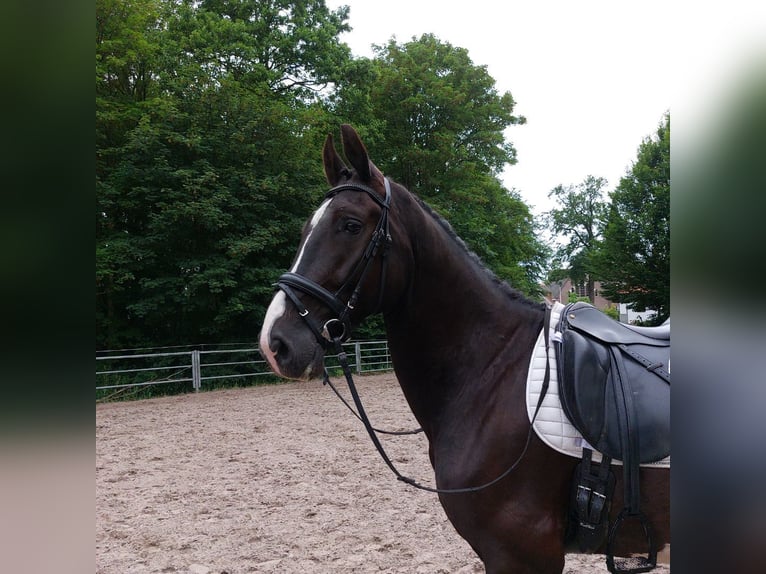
{"points": [[616, 383], [614, 386]]}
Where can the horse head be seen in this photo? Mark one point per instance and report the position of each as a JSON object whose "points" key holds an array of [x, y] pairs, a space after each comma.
{"points": [[345, 267]]}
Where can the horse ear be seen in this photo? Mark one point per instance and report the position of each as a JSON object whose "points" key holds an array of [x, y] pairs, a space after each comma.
{"points": [[334, 168], [355, 152]]}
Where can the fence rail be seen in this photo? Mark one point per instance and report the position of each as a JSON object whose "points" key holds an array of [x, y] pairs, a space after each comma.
{"points": [[123, 371]]}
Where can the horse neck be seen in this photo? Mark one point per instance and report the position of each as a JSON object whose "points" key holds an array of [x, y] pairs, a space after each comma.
{"points": [[457, 331]]}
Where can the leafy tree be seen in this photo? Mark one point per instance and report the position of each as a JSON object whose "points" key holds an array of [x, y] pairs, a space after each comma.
{"points": [[435, 122], [580, 220], [209, 115], [634, 259], [436, 105], [282, 46]]}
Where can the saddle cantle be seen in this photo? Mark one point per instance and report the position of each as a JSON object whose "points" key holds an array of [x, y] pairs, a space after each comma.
{"points": [[615, 382]]}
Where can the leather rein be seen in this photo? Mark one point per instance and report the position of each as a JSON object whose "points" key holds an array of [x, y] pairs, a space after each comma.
{"points": [[337, 330]]}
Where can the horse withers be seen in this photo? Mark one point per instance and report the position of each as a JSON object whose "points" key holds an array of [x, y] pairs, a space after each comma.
{"points": [[460, 342]]}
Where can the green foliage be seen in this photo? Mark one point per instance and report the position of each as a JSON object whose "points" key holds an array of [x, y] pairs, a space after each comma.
{"points": [[612, 312], [580, 220], [557, 275], [210, 117], [634, 260], [435, 122], [207, 124], [435, 105], [372, 328], [575, 298]]}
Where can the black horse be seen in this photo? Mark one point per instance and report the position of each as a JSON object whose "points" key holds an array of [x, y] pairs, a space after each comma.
{"points": [[460, 342]]}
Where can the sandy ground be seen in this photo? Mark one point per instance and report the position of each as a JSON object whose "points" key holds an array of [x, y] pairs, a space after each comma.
{"points": [[277, 478]]}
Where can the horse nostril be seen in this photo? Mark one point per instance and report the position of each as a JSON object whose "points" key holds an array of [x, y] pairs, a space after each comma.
{"points": [[278, 346]]}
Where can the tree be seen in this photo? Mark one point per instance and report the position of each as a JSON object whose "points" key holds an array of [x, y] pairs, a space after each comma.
{"points": [[435, 105], [209, 115], [580, 220], [209, 118], [634, 259], [435, 122]]}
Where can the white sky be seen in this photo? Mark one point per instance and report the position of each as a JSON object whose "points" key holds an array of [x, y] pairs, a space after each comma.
{"points": [[593, 78]]}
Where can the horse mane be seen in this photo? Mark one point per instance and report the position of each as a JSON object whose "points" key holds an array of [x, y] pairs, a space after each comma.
{"points": [[503, 285]]}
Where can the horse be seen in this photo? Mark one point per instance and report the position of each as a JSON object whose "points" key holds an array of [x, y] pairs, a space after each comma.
{"points": [[460, 341]]}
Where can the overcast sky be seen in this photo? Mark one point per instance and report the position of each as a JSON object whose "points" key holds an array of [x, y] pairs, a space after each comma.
{"points": [[591, 77]]}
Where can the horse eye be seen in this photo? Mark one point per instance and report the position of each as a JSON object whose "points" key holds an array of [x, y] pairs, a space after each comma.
{"points": [[352, 226]]}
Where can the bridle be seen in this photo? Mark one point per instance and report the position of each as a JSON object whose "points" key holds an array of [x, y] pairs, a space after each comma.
{"points": [[338, 328]]}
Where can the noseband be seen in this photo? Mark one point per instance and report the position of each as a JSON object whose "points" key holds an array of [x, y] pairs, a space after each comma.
{"points": [[338, 328]]}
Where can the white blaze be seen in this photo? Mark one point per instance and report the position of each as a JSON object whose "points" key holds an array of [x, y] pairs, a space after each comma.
{"points": [[315, 219], [278, 303], [275, 311]]}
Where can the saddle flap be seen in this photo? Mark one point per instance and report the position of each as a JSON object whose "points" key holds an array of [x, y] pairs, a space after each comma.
{"points": [[584, 368]]}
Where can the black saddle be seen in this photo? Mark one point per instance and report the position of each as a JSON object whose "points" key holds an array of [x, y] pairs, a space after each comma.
{"points": [[614, 386], [614, 383]]}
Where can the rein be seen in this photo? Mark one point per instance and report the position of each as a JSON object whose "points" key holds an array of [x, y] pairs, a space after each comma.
{"points": [[328, 382], [372, 431]]}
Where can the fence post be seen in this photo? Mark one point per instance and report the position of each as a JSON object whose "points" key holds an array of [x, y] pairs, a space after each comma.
{"points": [[358, 352], [196, 374]]}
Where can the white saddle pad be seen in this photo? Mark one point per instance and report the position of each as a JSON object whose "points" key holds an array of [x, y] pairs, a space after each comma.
{"points": [[552, 425]]}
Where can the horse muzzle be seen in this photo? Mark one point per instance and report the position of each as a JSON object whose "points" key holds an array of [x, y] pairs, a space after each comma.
{"points": [[291, 349]]}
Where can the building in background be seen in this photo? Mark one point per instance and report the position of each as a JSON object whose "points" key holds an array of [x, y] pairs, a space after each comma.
{"points": [[561, 290], [565, 290]]}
